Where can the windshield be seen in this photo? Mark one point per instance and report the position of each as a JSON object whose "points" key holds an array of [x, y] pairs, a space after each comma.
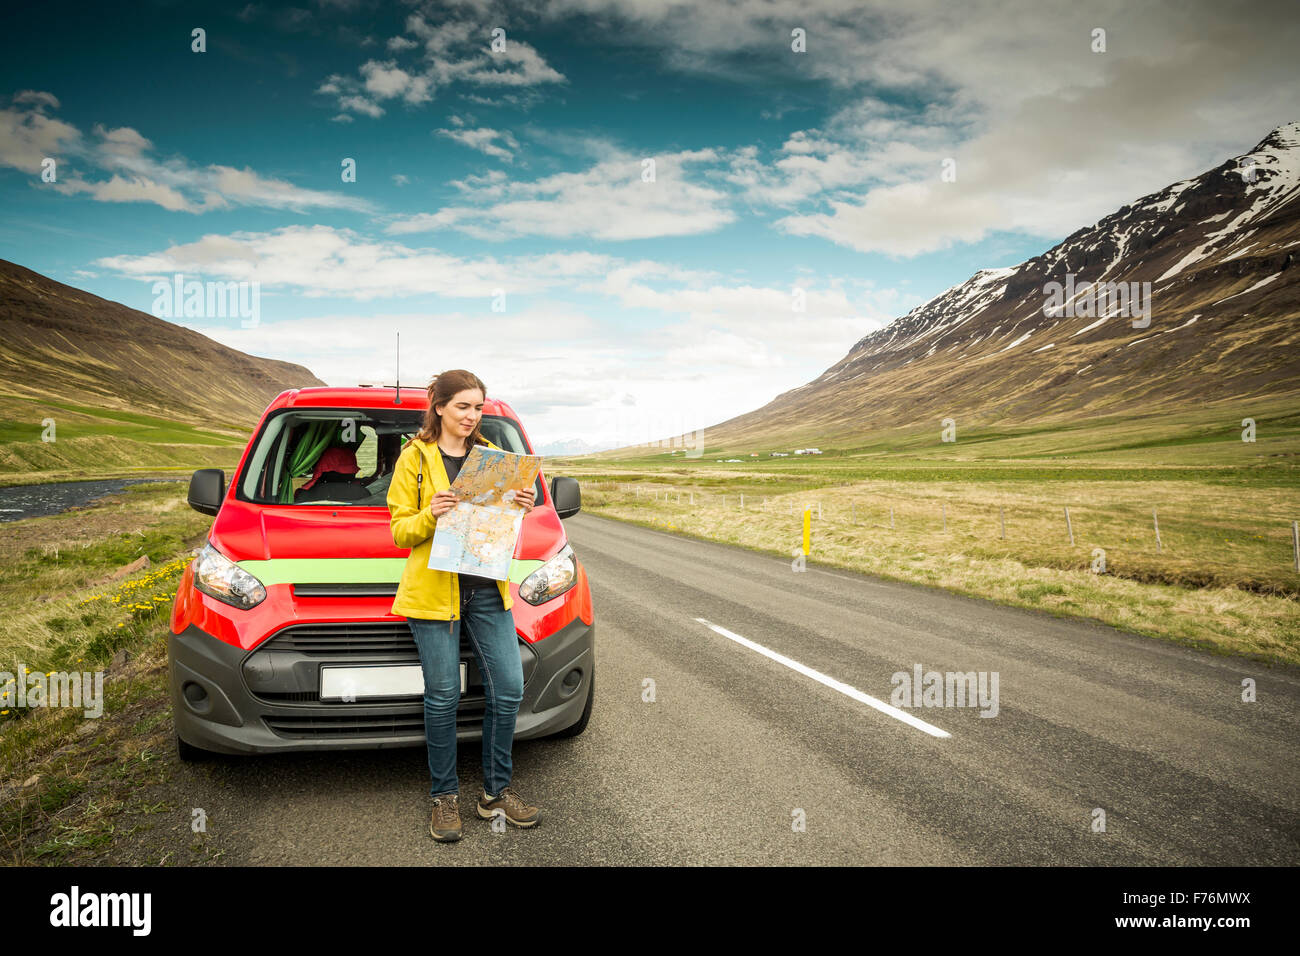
{"points": [[336, 457]]}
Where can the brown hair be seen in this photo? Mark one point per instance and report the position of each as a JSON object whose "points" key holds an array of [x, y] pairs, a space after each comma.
{"points": [[442, 389]]}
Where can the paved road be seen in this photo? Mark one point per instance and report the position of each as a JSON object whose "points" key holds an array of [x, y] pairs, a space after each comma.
{"points": [[737, 745]]}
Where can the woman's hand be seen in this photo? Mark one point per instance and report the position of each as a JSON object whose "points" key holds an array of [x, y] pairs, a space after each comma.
{"points": [[525, 499], [443, 502]]}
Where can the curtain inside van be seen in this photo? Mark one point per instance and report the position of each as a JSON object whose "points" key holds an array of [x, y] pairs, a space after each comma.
{"points": [[315, 438]]}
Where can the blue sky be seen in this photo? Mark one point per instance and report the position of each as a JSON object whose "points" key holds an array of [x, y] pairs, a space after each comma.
{"points": [[626, 308]]}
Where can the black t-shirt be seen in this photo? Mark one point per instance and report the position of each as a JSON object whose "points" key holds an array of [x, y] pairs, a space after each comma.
{"points": [[452, 464]]}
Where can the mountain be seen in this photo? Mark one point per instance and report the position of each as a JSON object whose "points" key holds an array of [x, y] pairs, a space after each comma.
{"points": [[59, 343], [1219, 253]]}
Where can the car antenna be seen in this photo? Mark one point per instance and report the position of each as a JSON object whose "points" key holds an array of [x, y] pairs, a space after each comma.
{"points": [[397, 376]]}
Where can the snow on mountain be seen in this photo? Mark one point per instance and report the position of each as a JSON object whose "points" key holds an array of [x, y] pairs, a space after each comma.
{"points": [[1210, 259], [1232, 198]]}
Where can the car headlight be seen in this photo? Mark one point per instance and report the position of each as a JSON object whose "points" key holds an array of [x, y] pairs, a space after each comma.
{"points": [[219, 577], [552, 579]]}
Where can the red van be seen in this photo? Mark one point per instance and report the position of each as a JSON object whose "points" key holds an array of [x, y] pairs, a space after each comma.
{"points": [[289, 585]]}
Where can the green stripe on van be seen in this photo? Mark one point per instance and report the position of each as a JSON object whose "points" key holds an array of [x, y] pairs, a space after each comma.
{"points": [[349, 570]]}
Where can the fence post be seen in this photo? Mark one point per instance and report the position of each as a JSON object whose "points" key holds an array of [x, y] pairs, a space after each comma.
{"points": [[1295, 543], [1002, 518], [742, 499], [1156, 520], [1068, 526]]}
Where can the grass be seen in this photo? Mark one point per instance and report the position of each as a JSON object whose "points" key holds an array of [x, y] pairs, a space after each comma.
{"points": [[73, 789], [69, 781], [42, 406], [86, 439], [1201, 443], [75, 782], [1222, 577], [1231, 595]]}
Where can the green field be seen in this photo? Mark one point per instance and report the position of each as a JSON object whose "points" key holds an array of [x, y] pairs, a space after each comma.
{"points": [[92, 442], [902, 506], [66, 782], [986, 516]]}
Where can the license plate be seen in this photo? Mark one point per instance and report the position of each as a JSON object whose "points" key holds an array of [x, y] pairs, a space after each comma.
{"points": [[375, 680]]}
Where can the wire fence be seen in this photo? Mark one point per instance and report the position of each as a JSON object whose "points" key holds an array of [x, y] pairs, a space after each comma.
{"points": [[1233, 536]]}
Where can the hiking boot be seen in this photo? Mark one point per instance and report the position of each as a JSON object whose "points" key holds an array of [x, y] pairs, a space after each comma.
{"points": [[510, 805], [444, 823]]}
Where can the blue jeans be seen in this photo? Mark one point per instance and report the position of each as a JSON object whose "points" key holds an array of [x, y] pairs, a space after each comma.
{"points": [[491, 631]]}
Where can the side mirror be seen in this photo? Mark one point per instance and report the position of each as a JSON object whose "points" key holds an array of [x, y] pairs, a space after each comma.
{"points": [[567, 496], [207, 489]]}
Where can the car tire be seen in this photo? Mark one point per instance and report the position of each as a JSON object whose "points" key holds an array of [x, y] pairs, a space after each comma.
{"points": [[575, 729], [188, 753]]}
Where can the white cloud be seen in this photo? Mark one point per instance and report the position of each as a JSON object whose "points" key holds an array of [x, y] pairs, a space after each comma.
{"points": [[609, 200], [135, 175], [766, 324], [517, 65], [483, 140], [1047, 134], [807, 167], [490, 185], [28, 136], [594, 370], [902, 220], [359, 104], [37, 97], [318, 261], [136, 189], [454, 51], [386, 81], [641, 384]]}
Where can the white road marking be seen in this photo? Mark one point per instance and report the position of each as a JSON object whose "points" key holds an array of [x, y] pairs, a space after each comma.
{"points": [[831, 682]]}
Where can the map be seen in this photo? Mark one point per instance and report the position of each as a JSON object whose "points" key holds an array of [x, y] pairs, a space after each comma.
{"points": [[478, 536]]}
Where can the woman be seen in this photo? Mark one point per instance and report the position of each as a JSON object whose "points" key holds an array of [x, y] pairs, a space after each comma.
{"points": [[436, 602]]}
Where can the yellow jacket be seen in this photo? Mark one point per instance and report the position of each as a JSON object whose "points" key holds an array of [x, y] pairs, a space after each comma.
{"points": [[423, 592]]}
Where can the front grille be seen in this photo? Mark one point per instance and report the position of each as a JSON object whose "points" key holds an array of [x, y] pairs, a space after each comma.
{"points": [[285, 670], [349, 640], [349, 589], [372, 725]]}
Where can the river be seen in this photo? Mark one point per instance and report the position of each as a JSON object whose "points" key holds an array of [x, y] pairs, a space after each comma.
{"points": [[33, 501]]}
